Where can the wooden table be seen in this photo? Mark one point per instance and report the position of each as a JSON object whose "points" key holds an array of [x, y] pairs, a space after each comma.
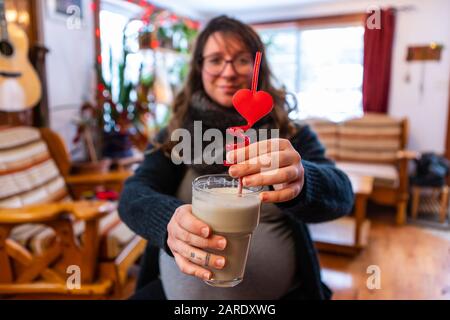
{"points": [[82, 183], [350, 234]]}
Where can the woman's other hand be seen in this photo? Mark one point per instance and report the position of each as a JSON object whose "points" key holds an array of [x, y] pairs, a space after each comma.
{"points": [[187, 237]]}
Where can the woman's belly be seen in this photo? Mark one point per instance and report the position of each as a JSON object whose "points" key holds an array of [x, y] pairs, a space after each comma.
{"points": [[269, 274]]}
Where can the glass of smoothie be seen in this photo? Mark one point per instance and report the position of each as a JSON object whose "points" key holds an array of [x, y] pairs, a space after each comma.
{"points": [[215, 200]]}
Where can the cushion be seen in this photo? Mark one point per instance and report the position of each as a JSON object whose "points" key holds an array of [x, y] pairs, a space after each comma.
{"points": [[327, 132], [16, 136], [385, 175], [28, 175], [372, 138], [116, 240], [27, 172], [115, 235]]}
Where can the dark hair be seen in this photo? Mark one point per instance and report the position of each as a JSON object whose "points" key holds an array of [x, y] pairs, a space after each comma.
{"points": [[193, 83]]}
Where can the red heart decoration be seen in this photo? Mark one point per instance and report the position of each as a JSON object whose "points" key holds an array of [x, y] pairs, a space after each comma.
{"points": [[251, 106]]}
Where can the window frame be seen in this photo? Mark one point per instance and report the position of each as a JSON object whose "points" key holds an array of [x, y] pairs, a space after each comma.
{"points": [[314, 22]]}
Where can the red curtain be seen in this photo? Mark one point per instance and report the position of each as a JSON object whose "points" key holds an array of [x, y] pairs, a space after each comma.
{"points": [[377, 60]]}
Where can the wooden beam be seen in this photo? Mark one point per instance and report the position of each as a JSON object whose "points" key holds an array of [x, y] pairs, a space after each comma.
{"points": [[39, 264], [98, 49], [100, 288], [33, 32], [356, 18], [6, 273], [447, 144]]}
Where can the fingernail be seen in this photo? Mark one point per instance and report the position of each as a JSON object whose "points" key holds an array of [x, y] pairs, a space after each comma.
{"points": [[247, 181], [220, 262], [263, 197], [207, 276], [205, 232], [221, 244], [232, 172]]}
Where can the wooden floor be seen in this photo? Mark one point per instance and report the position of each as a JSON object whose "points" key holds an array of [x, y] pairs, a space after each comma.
{"points": [[414, 263]]}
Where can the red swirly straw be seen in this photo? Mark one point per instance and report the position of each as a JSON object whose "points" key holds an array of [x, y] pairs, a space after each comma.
{"points": [[239, 131]]}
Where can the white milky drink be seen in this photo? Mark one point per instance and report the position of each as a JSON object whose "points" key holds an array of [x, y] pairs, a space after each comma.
{"points": [[215, 201]]}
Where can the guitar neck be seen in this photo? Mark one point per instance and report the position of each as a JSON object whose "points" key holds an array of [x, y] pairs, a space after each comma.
{"points": [[3, 22]]}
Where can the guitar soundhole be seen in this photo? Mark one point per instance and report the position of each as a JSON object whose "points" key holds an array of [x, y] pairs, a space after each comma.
{"points": [[6, 48]]}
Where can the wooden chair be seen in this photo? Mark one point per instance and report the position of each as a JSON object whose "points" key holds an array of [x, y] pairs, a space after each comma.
{"points": [[48, 241], [373, 145]]}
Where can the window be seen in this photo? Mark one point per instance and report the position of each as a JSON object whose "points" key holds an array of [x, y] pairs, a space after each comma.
{"points": [[123, 61], [114, 17], [323, 67]]}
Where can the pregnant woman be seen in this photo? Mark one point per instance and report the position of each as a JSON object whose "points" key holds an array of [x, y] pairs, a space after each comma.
{"points": [[156, 201]]}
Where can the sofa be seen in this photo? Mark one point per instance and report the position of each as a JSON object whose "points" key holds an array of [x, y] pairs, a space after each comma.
{"points": [[372, 145]]}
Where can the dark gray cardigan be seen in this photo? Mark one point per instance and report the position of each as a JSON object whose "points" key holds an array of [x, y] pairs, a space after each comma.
{"points": [[147, 204]]}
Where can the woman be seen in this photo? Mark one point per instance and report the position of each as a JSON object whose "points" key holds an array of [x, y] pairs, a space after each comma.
{"points": [[156, 201]]}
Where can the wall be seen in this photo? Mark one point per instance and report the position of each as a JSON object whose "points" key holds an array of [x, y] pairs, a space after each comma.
{"points": [[421, 23], [70, 67]]}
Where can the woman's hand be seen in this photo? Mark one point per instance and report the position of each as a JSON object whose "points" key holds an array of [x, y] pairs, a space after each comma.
{"points": [[269, 162], [187, 236]]}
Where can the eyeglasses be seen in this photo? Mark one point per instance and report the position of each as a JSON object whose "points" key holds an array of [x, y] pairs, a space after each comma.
{"points": [[215, 64]]}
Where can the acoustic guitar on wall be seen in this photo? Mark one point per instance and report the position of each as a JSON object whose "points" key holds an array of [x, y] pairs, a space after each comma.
{"points": [[20, 87]]}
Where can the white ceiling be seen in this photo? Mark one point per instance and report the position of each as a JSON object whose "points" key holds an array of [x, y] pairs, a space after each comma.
{"points": [[207, 8]]}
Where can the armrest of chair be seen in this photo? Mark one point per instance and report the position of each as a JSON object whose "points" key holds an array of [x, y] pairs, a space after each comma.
{"points": [[403, 157], [80, 183], [407, 155], [82, 210], [98, 178]]}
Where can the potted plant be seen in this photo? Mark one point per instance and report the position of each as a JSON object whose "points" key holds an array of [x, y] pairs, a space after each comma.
{"points": [[86, 129], [128, 114], [118, 112]]}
